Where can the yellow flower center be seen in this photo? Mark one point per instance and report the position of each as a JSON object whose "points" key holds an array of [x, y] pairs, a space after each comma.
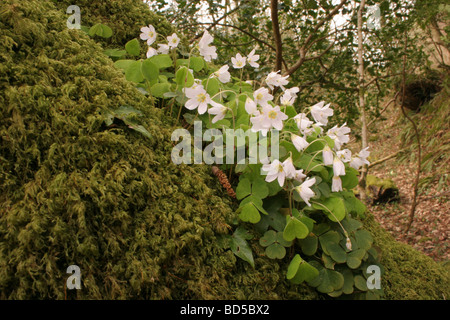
{"points": [[272, 114], [201, 97], [259, 96], [151, 34], [280, 168]]}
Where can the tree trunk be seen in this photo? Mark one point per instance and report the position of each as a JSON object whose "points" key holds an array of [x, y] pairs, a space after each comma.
{"points": [[362, 102]]}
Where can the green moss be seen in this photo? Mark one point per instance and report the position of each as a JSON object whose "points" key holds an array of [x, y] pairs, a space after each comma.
{"points": [[109, 200], [409, 275], [372, 180]]}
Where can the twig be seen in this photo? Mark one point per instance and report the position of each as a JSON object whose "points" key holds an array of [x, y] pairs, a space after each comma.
{"points": [[304, 48], [419, 148], [386, 158], [213, 24]]}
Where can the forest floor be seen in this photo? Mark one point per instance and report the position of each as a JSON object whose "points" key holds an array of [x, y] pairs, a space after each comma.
{"points": [[430, 230]]}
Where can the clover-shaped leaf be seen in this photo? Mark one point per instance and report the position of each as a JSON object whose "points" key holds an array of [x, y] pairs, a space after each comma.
{"points": [[249, 213], [295, 229], [299, 270], [275, 244]]}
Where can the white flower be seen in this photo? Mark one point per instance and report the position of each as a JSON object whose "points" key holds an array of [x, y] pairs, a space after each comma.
{"points": [[238, 61], [327, 155], [173, 40], [163, 48], [208, 52], [251, 107], [223, 75], [149, 34], [261, 96], [289, 168], [338, 167], [344, 155], [304, 190], [321, 113], [198, 98], [151, 52], [292, 91], [287, 99], [339, 135], [298, 175], [274, 171], [300, 143], [274, 79], [252, 58], [348, 244], [219, 110], [303, 123], [336, 184], [273, 117], [360, 159]]}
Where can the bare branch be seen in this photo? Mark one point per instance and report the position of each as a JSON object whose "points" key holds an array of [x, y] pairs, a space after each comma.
{"points": [[306, 45], [216, 22]]}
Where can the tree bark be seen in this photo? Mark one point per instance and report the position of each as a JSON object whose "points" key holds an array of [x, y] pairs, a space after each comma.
{"points": [[276, 34], [362, 102]]}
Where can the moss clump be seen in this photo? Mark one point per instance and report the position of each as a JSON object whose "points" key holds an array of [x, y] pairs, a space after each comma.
{"points": [[109, 200], [124, 17], [408, 274], [381, 190]]}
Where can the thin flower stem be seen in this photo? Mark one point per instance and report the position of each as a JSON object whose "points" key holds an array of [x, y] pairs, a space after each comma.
{"points": [[337, 220]]}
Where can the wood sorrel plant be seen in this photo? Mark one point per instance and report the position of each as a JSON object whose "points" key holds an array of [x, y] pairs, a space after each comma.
{"points": [[298, 208]]}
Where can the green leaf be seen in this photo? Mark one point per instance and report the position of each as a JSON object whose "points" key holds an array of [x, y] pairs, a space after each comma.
{"points": [[309, 245], [331, 281], [269, 238], [333, 204], [364, 239], [139, 128], [240, 248], [259, 188], [243, 233], [212, 85], [197, 63], [124, 64], [350, 180], [100, 30], [184, 77], [336, 252], [328, 238], [243, 189], [149, 70], [115, 53], [275, 251], [305, 272], [133, 73], [159, 89], [347, 288], [361, 283], [299, 270], [295, 229], [249, 213], [133, 47], [355, 257], [162, 61]]}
